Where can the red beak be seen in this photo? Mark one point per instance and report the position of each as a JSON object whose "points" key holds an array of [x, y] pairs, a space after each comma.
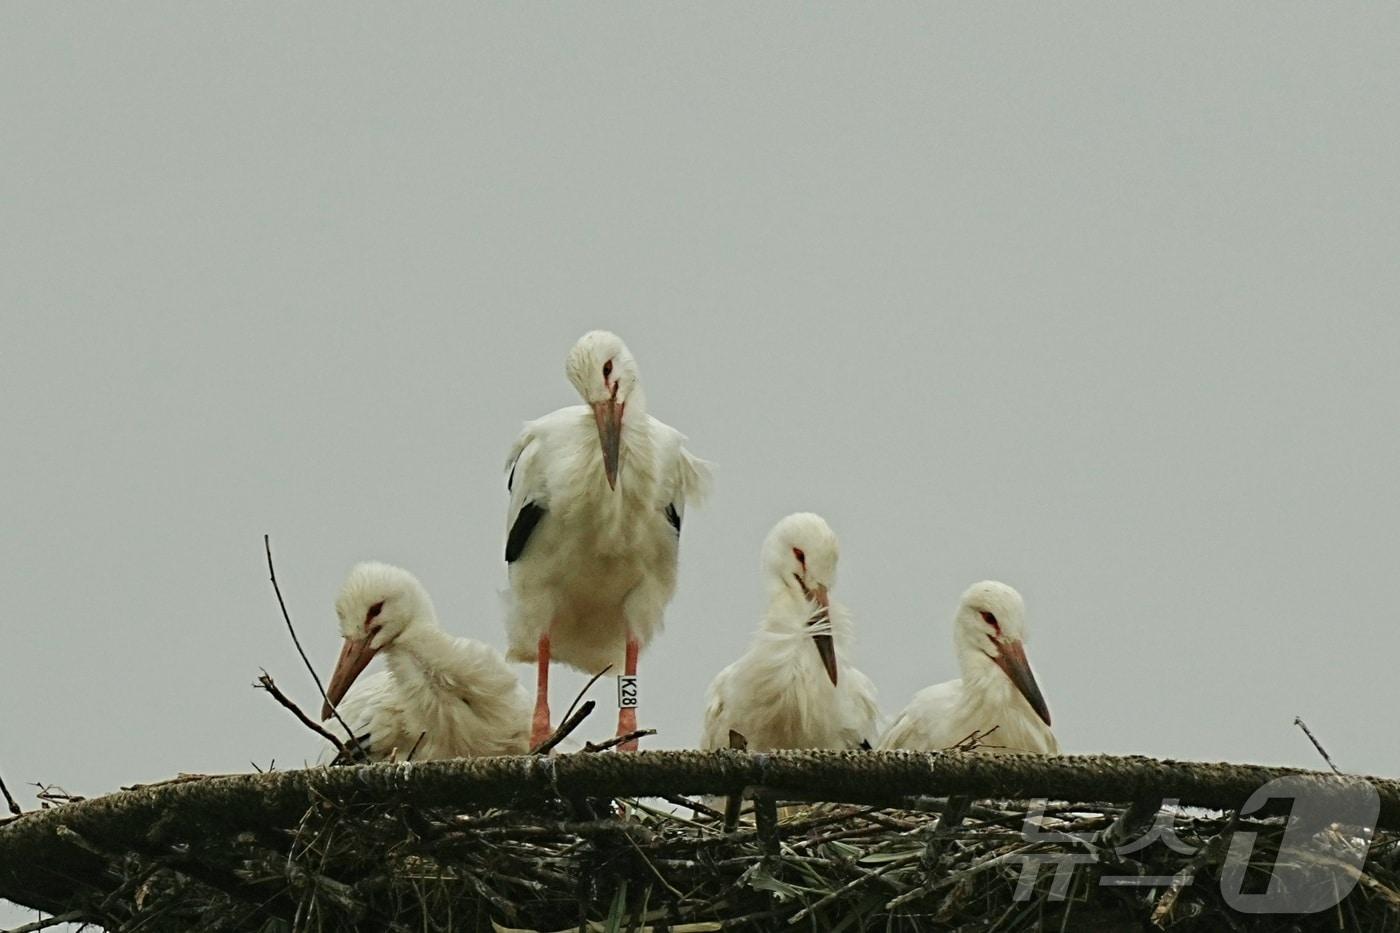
{"points": [[825, 646], [609, 417], [354, 658], [1012, 660]]}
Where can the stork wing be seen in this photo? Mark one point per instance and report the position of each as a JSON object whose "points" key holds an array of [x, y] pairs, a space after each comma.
{"points": [[715, 731], [688, 481], [525, 521], [372, 712], [525, 483], [865, 718]]}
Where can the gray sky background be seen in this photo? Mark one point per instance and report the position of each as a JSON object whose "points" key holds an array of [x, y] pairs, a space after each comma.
{"points": [[1099, 300]]}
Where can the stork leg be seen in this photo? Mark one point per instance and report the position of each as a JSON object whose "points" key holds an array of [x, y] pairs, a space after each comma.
{"points": [[627, 715], [539, 726]]}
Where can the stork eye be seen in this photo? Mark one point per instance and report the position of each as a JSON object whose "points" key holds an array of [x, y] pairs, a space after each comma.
{"points": [[990, 619], [374, 610], [801, 556], [607, 369]]}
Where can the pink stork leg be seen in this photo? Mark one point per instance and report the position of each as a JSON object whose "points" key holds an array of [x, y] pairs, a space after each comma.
{"points": [[539, 726], [627, 715]]}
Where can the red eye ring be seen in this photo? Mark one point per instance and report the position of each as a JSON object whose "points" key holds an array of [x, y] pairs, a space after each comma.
{"points": [[607, 369], [989, 619], [374, 611], [801, 556]]}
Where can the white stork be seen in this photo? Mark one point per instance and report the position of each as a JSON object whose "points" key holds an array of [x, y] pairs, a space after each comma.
{"points": [[441, 696], [997, 689], [795, 687], [597, 495]]}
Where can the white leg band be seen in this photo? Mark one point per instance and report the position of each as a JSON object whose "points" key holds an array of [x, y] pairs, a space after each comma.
{"points": [[627, 691]]}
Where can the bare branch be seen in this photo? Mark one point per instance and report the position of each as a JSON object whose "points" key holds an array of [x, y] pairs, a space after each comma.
{"points": [[14, 807], [421, 736], [265, 682], [734, 803], [617, 740], [565, 727], [1298, 721], [272, 575], [584, 692], [52, 793], [693, 805], [570, 722], [973, 740]]}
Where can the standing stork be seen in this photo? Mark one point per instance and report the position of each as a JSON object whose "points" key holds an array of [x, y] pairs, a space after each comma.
{"points": [[597, 495], [997, 689], [794, 687], [441, 696]]}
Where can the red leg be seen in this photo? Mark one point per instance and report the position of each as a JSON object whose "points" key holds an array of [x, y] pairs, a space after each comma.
{"points": [[627, 716], [539, 727]]}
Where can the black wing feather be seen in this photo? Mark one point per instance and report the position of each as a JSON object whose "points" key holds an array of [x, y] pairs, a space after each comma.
{"points": [[525, 522], [673, 517]]}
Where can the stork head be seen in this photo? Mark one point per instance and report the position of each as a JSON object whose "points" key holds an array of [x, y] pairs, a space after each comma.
{"points": [[377, 604], [800, 555], [991, 629], [603, 371]]}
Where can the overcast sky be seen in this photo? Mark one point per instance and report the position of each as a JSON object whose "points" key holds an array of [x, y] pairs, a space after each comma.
{"points": [[1102, 301]]}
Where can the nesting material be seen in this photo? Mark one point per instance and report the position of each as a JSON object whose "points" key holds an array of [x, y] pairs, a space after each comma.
{"points": [[881, 841]]}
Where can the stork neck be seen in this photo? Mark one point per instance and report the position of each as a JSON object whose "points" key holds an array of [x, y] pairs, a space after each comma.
{"points": [[421, 647], [636, 402], [787, 609], [979, 671]]}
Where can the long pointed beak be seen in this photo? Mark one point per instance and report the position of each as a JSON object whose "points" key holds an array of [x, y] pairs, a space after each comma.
{"points": [[1012, 660], [609, 417], [825, 646], [354, 658]]}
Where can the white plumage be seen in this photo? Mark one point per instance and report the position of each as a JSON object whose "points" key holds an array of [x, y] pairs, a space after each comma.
{"points": [[997, 690], [457, 694], [795, 686], [598, 493]]}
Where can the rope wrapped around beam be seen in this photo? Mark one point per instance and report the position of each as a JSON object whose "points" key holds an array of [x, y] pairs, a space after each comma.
{"points": [[38, 863]]}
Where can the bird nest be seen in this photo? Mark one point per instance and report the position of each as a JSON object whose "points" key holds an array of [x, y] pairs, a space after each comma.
{"points": [[828, 841]]}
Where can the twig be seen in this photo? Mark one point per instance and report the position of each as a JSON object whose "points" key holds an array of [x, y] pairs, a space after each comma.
{"points": [[765, 818], [863, 878], [14, 807], [948, 822], [52, 793], [618, 740], [1298, 721], [1165, 904], [47, 922], [973, 741], [569, 723], [584, 692], [693, 806], [265, 683], [734, 803], [565, 727], [272, 575], [184, 777], [421, 736]]}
